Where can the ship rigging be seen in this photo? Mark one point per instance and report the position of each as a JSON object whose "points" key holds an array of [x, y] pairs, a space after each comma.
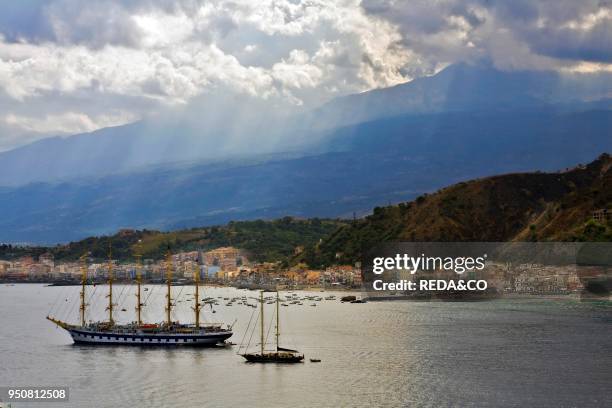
{"points": [[167, 333], [279, 354]]}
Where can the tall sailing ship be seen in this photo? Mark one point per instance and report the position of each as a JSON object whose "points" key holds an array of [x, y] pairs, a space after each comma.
{"points": [[138, 333], [279, 354]]}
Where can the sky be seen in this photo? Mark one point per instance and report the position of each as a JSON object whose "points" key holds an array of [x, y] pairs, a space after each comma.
{"points": [[70, 66]]}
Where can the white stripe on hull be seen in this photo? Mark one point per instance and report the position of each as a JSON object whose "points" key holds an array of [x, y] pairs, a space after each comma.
{"points": [[144, 340]]}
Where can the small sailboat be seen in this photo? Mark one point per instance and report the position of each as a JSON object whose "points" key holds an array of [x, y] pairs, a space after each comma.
{"points": [[280, 354]]}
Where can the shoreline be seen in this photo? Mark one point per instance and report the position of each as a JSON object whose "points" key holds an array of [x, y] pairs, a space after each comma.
{"points": [[214, 285], [506, 296]]}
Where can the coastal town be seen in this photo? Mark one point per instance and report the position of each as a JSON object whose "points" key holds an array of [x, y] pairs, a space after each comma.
{"points": [[229, 266], [221, 266]]}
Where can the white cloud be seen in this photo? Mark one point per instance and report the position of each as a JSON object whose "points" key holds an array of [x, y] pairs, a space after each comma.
{"points": [[589, 21], [308, 51], [297, 71], [159, 30], [65, 123], [170, 75], [91, 59]]}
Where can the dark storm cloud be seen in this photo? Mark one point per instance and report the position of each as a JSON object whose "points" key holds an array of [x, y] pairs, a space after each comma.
{"points": [[567, 30], [594, 45]]}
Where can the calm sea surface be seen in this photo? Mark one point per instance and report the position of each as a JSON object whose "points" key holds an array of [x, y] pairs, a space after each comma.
{"points": [[536, 353]]}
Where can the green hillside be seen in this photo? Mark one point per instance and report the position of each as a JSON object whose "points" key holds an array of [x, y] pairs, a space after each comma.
{"points": [[263, 240], [513, 207]]}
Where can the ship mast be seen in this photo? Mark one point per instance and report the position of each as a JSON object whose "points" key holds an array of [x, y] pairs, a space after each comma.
{"points": [[169, 288], [196, 307], [261, 300], [110, 285], [277, 320], [83, 283], [139, 283]]}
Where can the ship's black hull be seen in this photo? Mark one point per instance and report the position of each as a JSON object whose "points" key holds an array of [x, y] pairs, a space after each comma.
{"points": [[145, 340], [283, 358]]}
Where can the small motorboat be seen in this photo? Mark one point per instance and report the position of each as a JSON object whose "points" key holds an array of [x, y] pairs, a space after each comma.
{"points": [[315, 360]]}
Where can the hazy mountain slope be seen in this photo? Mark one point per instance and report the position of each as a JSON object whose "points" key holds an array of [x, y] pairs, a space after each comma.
{"points": [[387, 161], [473, 88], [527, 206], [538, 139], [200, 133], [465, 122], [230, 126]]}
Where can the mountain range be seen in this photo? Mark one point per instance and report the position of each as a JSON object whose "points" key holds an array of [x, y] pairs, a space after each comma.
{"points": [[538, 206], [342, 159]]}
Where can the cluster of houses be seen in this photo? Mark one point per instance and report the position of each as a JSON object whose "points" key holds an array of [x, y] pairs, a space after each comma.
{"points": [[345, 276], [226, 265], [230, 266]]}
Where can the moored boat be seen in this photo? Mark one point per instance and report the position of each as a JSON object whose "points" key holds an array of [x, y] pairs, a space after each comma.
{"points": [[279, 354], [138, 333]]}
